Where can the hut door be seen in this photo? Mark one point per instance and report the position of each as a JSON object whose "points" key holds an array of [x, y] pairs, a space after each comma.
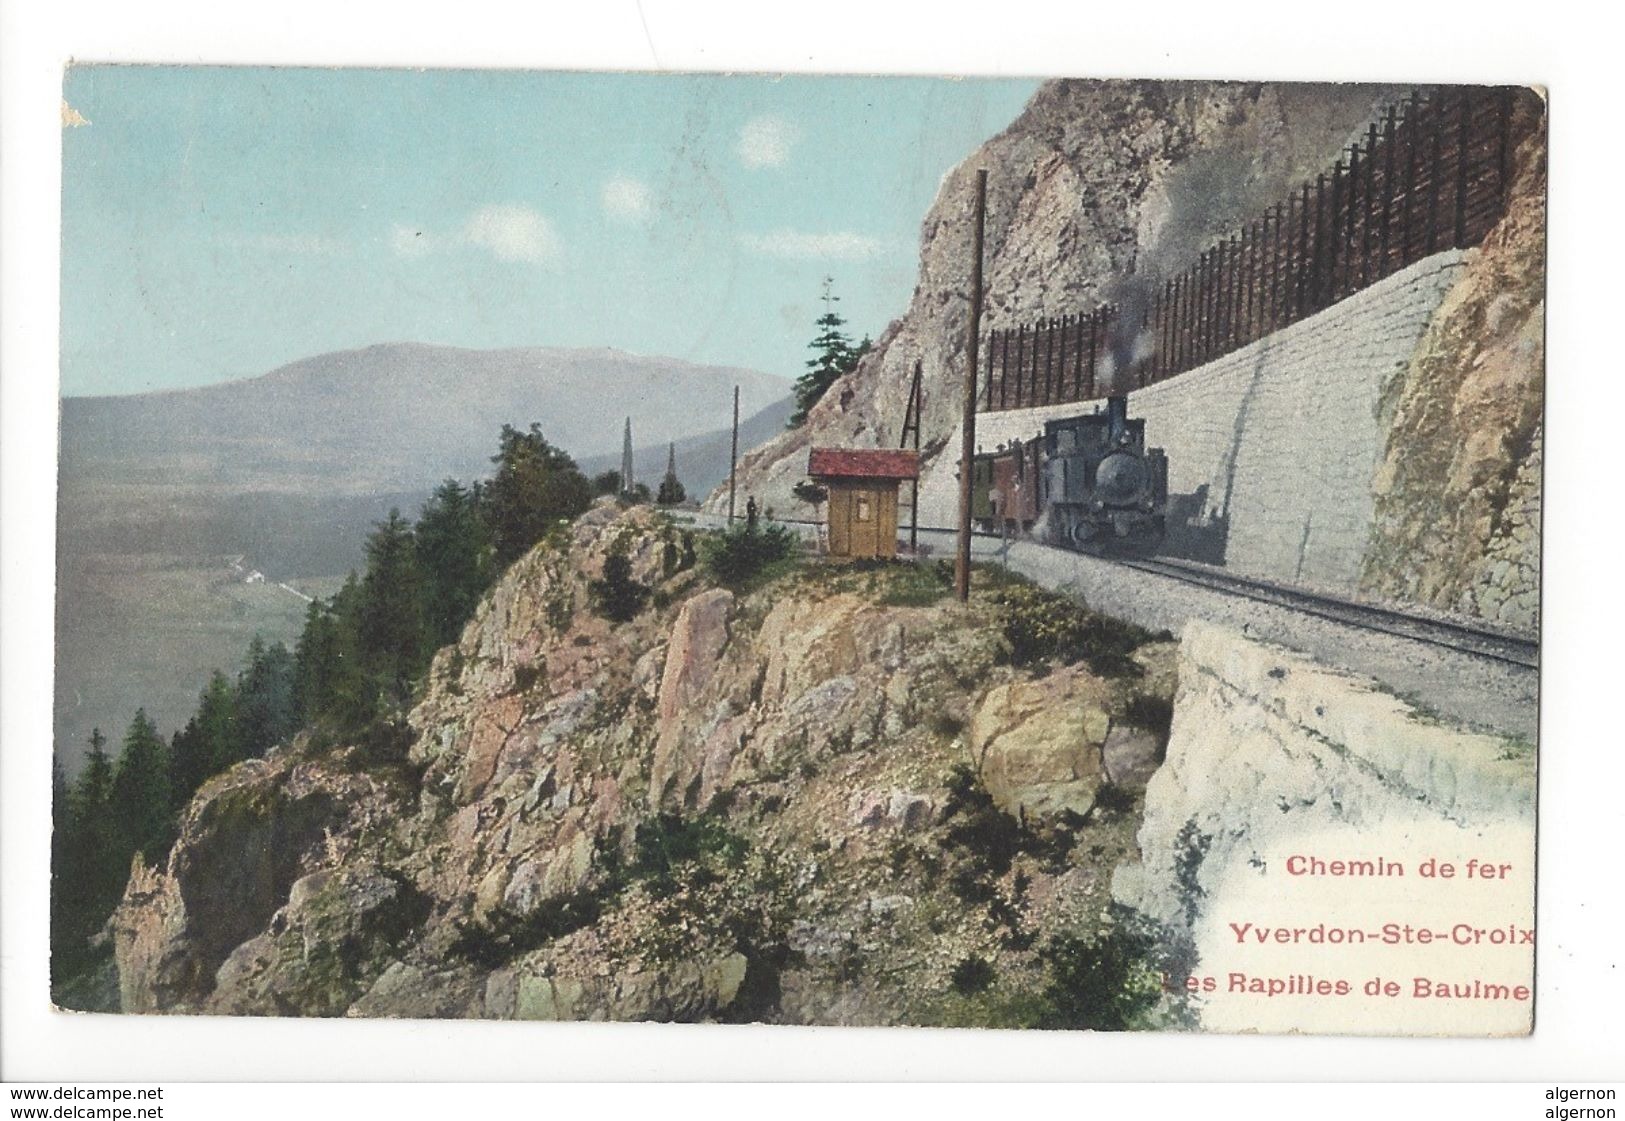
{"points": [[840, 513], [865, 523]]}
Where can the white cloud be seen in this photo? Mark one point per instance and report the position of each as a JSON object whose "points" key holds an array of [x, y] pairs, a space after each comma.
{"points": [[512, 233], [765, 142], [627, 199], [507, 231], [842, 245]]}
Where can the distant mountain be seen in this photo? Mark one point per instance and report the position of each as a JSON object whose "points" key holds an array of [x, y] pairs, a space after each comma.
{"points": [[702, 461], [181, 515], [398, 416]]}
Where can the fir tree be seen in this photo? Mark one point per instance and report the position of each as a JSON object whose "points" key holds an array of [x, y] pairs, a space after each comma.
{"points": [[671, 487], [266, 712], [315, 658], [94, 865], [454, 555], [536, 486], [218, 743], [390, 624], [141, 795], [833, 356]]}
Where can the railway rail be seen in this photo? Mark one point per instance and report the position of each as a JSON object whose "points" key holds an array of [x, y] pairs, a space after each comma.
{"points": [[1452, 634], [1457, 635]]}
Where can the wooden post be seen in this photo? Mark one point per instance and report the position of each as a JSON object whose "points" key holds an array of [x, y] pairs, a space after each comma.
{"points": [[1289, 275], [1204, 316], [1408, 127], [1317, 259], [1388, 177], [1369, 218], [1021, 372], [1277, 262], [1049, 360], [1175, 325], [1004, 365], [1094, 342], [1165, 317], [1250, 330], [916, 408], [1215, 271], [733, 459], [1465, 109], [1503, 144], [1306, 261], [1233, 316], [967, 441], [1349, 284], [991, 337], [1436, 163], [1060, 361]]}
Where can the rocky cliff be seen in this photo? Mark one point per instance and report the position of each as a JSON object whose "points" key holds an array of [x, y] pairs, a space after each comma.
{"points": [[1458, 494], [1275, 758], [1100, 187], [1097, 183], [831, 799]]}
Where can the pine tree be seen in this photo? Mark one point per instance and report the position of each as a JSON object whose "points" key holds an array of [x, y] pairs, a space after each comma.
{"points": [[93, 866], [60, 848], [833, 356], [391, 622], [266, 712], [141, 796], [671, 488], [535, 487], [454, 556], [315, 662], [222, 739], [351, 686]]}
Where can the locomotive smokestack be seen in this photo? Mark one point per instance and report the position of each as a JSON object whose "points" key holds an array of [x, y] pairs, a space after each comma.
{"points": [[1116, 417]]}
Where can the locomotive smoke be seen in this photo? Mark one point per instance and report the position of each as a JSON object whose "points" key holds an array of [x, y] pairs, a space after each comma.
{"points": [[1128, 341], [1213, 192]]}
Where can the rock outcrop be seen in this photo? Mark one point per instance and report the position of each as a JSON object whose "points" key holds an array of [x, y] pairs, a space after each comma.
{"points": [[1267, 744], [1457, 522], [733, 806], [1277, 762]]}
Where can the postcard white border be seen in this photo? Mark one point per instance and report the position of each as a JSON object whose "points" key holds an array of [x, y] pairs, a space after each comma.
{"points": [[1581, 984]]}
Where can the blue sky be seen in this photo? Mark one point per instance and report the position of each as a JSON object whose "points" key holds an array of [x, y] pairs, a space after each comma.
{"points": [[219, 222]]}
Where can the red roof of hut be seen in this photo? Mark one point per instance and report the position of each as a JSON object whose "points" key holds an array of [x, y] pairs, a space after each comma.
{"points": [[863, 463]]}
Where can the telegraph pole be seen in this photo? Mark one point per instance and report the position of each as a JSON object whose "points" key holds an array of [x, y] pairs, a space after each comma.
{"points": [[733, 459], [967, 443], [911, 424]]}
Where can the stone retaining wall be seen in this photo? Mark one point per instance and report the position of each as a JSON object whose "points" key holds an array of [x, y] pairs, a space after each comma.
{"points": [[1271, 449]]}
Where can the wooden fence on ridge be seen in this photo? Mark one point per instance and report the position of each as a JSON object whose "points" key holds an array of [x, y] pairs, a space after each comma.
{"points": [[1433, 173]]}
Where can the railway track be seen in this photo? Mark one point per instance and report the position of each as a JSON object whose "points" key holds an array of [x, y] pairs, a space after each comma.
{"points": [[1450, 634], [1485, 642]]}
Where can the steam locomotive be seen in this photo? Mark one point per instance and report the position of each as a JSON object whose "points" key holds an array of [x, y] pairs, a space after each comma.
{"points": [[1088, 483]]}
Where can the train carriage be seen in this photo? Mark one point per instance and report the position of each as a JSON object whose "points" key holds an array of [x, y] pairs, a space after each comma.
{"points": [[1005, 488]]}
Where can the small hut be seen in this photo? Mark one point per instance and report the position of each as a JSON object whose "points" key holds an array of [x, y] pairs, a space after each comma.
{"points": [[862, 485]]}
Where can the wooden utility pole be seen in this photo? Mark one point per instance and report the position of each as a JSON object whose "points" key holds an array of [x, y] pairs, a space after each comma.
{"points": [[911, 426], [967, 443], [733, 459]]}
